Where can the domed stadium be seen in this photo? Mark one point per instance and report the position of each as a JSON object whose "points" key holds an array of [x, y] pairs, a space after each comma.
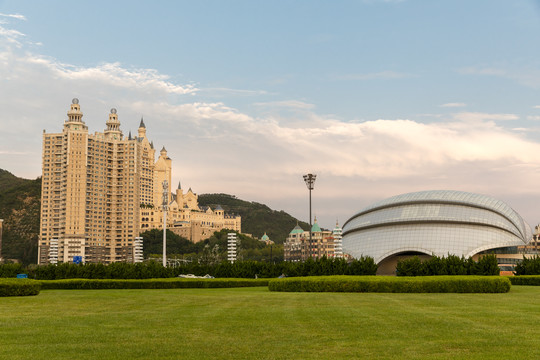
{"points": [[431, 223]]}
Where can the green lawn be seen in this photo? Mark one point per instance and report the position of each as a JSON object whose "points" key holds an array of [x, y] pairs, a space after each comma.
{"points": [[253, 323]]}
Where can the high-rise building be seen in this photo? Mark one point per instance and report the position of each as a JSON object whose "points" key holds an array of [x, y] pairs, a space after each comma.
{"points": [[337, 233], [101, 190], [92, 188]]}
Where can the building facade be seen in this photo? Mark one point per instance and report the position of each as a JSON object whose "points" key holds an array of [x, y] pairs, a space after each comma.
{"points": [[299, 247], [437, 222], [99, 191], [185, 217], [90, 192]]}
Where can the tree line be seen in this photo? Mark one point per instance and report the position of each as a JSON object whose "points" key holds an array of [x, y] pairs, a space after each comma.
{"points": [[450, 265], [210, 251], [224, 269]]}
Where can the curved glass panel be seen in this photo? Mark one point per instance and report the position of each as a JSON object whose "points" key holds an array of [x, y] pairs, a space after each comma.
{"points": [[452, 197], [432, 213], [434, 222], [433, 239]]}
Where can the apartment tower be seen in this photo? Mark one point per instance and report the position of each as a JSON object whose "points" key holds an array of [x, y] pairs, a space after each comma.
{"points": [[92, 188]]}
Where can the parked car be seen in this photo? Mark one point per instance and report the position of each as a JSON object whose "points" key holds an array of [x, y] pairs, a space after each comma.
{"points": [[507, 270]]}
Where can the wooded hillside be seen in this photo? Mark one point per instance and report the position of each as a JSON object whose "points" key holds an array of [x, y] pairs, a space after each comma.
{"points": [[20, 201]]}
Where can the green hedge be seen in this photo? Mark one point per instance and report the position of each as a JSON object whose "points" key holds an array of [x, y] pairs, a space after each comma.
{"points": [[85, 284], [425, 284], [533, 280], [153, 270], [11, 270], [19, 287], [528, 266], [450, 265]]}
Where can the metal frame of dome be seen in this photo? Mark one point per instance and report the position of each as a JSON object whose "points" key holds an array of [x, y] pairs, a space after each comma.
{"points": [[469, 222]]}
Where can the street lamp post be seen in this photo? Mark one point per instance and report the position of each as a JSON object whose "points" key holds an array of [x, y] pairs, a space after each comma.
{"points": [[310, 182], [165, 203]]}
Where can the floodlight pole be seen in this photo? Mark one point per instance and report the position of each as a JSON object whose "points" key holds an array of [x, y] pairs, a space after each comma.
{"points": [[165, 203], [310, 182]]}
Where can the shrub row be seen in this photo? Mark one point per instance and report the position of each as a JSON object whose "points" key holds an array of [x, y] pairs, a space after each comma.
{"points": [[87, 284], [150, 270], [310, 267], [117, 270], [432, 284], [11, 270], [450, 265], [532, 280], [19, 287], [528, 266]]}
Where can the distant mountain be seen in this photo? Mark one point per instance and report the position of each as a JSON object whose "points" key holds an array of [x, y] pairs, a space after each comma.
{"points": [[20, 201], [256, 218]]}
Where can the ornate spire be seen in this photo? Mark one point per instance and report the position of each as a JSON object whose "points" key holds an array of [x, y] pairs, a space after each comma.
{"points": [[113, 124], [129, 135], [179, 186], [142, 130], [74, 113]]}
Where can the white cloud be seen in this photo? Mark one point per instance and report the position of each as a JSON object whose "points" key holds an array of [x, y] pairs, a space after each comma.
{"points": [[533, 117], [536, 107], [478, 116], [113, 74], [454, 104], [217, 148], [10, 36], [14, 16]]}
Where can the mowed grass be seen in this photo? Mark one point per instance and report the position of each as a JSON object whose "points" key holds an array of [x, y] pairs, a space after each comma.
{"points": [[254, 323]]}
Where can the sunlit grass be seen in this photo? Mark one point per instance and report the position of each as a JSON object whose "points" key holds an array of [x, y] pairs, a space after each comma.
{"points": [[253, 323]]}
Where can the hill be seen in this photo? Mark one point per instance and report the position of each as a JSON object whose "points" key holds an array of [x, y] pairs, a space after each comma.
{"points": [[20, 201], [256, 218]]}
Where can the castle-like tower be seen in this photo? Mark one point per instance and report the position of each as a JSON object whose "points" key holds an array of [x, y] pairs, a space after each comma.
{"points": [[99, 191], [92, 187]]}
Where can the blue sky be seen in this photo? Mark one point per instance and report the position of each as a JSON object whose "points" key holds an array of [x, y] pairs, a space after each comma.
{"points": [[376, 97]]}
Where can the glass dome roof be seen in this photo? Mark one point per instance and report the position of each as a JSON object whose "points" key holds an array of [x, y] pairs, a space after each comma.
{"points": [[437, 222]]}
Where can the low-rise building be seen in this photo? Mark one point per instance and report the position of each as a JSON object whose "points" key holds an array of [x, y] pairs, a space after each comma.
{"points": [[266, 239], [299, 247]]}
